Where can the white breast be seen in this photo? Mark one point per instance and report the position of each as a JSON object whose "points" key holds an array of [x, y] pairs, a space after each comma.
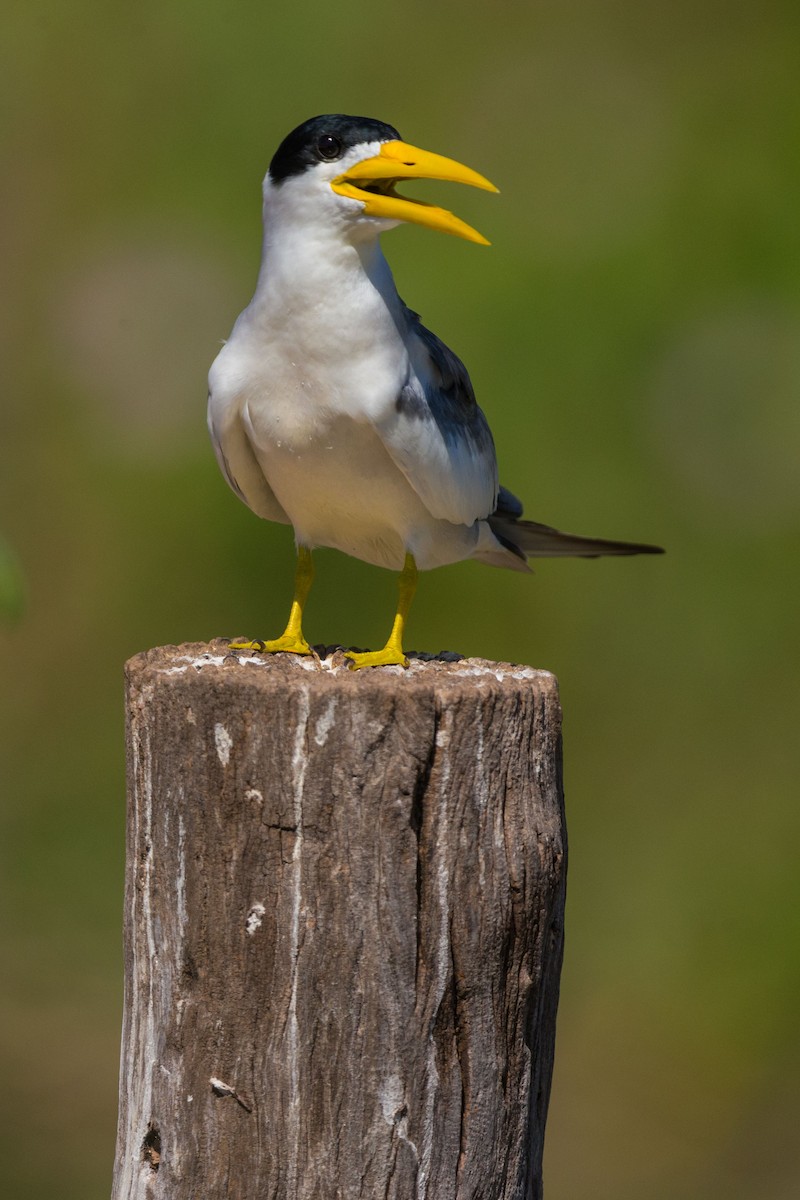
{"points": [[305, 380], [314, 362]]}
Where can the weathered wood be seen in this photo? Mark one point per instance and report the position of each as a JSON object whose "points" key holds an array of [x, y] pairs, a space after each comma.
{"points": [[343, 929]]}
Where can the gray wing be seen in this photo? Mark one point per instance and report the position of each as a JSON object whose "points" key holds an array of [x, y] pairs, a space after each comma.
{"points": [[437, 434]]}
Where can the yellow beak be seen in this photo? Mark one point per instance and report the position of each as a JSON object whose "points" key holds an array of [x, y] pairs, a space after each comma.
{"points": [[372, 182]]}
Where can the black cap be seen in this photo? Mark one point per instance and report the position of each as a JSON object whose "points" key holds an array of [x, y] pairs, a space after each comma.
{"points": [[324, 139]]}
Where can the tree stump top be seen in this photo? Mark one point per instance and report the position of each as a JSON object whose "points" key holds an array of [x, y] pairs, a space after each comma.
{"points": [[268, 671]]}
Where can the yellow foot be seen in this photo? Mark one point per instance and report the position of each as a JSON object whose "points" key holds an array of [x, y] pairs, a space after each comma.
{"points": [[389, 656], [286, 644]]}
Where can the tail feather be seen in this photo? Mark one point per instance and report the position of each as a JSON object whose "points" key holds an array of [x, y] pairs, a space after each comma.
{"points": [[533, 540]]}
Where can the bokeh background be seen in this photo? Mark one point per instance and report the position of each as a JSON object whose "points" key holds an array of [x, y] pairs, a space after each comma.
{"points": [[634, 335]]}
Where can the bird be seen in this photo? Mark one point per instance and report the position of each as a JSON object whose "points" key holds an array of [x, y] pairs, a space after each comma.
{"points": [[333, 409]]}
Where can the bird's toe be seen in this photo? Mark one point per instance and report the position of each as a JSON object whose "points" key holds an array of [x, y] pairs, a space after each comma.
{"points": [[390, 656]]}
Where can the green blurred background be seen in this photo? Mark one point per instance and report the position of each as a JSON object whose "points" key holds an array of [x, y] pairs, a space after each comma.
{"points": [[633, 334]]}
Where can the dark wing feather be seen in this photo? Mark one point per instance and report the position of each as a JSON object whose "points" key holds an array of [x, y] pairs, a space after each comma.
{"points": [[438, 435], [529, 539]]}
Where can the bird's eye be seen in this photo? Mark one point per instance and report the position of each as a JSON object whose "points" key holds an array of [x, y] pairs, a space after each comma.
{"points": [[329, 147]]}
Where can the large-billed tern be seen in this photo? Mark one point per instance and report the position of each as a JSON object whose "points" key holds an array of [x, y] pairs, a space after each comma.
{"points": [[333, 409]]}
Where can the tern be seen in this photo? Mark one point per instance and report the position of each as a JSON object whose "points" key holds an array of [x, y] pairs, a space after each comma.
{"points": [[334, 410]]}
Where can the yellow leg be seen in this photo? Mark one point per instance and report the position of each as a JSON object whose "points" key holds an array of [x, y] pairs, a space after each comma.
{"points": [[392, 653], [292, 640]]}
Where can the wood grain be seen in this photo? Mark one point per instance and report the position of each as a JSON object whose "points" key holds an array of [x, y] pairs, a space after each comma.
{"points": [[343, 929]]}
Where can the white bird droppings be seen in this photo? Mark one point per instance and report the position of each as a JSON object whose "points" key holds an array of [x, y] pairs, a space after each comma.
{"points": [[325, 723], [254, 918], [223, 742]]}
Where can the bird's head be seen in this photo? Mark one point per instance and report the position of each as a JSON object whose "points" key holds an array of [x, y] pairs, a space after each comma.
{"points": [[343, 170]]}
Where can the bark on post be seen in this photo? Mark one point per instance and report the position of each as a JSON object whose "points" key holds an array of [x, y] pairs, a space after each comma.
{"points": [[343, 929]]}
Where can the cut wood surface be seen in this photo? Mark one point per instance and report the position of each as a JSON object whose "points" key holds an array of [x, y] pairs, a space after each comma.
{"points": [[343, 928]]}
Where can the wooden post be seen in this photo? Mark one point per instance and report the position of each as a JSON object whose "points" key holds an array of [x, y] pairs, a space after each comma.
{"points": [[343, 929]]}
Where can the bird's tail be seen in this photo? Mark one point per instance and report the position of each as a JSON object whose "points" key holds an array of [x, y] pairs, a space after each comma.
{"points": [[529, 539]]}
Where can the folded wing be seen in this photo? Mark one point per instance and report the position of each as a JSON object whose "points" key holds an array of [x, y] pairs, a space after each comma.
{"points": [[437, 435]]}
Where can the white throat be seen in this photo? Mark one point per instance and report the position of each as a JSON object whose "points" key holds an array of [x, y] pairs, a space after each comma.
{"points": [[324, 278]]}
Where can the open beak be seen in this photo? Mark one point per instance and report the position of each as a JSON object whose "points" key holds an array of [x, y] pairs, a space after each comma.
{"points": [[372, 181]]}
